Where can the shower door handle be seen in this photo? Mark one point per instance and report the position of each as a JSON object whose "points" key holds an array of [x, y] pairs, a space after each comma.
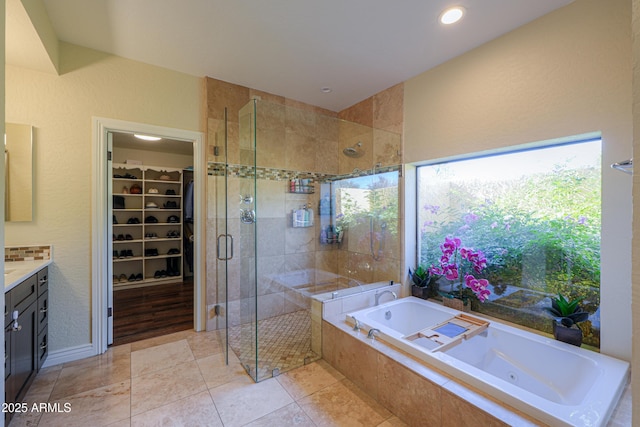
{"points": [[226, 236]]}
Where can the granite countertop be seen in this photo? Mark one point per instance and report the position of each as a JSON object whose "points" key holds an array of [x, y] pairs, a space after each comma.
{"points": [[18, 271]]}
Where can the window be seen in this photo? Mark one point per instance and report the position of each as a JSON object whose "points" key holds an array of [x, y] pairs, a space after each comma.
{"points": [[535, 215]]}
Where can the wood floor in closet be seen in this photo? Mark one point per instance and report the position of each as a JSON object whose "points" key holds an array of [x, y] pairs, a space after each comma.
{"points": [[152, 311]]}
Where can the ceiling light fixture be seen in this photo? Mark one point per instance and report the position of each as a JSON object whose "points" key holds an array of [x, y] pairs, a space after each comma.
{"points": [[452, 15], [326, 89], [147, 137]]}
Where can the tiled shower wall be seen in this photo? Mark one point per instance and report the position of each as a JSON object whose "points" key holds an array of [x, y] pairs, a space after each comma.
{"points": [[294, 139]]}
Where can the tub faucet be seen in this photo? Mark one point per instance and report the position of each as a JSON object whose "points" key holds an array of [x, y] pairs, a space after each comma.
{"points": [[378, 295], [372, 333], [356, 326]]}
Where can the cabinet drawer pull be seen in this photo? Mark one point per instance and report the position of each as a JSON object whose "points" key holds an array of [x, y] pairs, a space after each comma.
{"points": [[43, 281], [43, 346], [16, 327], [43, 310]]}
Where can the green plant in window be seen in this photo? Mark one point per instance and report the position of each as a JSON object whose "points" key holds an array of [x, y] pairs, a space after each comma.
{"points": [[567, 312]]}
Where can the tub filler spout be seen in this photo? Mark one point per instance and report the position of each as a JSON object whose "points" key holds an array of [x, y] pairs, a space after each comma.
{"points": [[379, 294], [372, 333]]}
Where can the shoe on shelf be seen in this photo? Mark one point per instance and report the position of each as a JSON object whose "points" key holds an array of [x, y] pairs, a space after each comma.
{"points": [[139, 277], [151, 220], [115, 220], [125, 190], [120, 237], [157, 274], [115, 254], [122, 278], [153, 191], [133, 220], [151, 205], [132, 278], [173, 251], [128, 237], [163, 274], [170, 192]]}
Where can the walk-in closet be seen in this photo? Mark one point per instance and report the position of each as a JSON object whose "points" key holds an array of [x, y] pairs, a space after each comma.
{"points": [[151, 193]]}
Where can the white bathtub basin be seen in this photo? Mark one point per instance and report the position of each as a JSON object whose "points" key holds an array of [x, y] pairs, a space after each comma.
{"points": [[552, 381]]}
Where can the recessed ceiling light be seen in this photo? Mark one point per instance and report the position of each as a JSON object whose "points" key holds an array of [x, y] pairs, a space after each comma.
{"points": [[147, 137], [326, 89], [452, 15]]}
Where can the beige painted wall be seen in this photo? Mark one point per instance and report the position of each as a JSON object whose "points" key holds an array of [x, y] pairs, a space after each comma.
{"points": [[61, 108], [635, 374], [564, 74]]}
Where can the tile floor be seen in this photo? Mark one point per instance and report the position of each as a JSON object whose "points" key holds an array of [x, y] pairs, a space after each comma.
{"points": [[181, 380], [284, 342]]}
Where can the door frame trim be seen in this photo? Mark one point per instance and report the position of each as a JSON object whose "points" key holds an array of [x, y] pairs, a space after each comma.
{"points": [[99, 221]]}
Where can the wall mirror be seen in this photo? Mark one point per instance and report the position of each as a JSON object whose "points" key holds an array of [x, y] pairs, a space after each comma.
{"points": [[18, 166]]}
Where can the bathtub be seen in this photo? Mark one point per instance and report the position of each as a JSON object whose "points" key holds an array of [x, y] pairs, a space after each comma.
{"points": [[554, 382]]}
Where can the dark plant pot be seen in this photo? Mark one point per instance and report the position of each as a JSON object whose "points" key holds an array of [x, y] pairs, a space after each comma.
{"points": [[572, 335], [420, 291]]}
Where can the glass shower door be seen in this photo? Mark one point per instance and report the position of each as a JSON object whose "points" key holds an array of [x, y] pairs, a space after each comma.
{"points": [[242, 202]]}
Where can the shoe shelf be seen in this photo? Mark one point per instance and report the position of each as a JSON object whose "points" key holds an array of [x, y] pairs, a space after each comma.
{"points": [[160, 197]]}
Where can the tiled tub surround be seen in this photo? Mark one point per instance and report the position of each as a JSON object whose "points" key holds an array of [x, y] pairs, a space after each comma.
{"points": [[21, 262], [417, 392], [552, 381]]}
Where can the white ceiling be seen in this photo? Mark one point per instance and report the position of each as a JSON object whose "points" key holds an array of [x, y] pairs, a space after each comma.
{"points": [[291, 48]]}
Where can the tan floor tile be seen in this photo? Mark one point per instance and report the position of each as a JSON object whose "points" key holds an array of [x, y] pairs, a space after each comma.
{"points": [[161, 387], [160, 357], [342, 404], [215, 372], [308, 379], [393, 422], [99, 407], [88, 374], [204, 344], [290, 415], [239, 403], [123, 423], [164, 339], [196, 410]]}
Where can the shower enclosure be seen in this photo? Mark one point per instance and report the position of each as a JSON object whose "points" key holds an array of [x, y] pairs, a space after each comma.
{"points": [[301, 205]]}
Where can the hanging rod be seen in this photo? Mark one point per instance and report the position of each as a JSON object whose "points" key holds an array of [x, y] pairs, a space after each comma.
{"points": [[625, 166]]}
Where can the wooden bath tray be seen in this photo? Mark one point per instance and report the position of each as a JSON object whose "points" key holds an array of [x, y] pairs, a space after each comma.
{"points": [[449, 333]]}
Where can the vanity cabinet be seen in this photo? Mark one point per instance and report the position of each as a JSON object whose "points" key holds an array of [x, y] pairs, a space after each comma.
{"points": [[25, 335]]}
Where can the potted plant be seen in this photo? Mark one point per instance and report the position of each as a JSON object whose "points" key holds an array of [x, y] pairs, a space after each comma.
{"points": [[460, 265], [422, 285], [566, 315]]}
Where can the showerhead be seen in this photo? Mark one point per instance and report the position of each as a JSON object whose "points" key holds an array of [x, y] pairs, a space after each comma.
{"points": [[354, 151]]}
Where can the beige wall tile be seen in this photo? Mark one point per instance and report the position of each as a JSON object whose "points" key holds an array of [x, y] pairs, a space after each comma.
{"points": [[358, 361], [404, 391], [222, 94], [388, 109], [361, 113]]}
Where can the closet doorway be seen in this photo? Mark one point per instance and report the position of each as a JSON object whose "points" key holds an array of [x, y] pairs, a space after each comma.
{"points": [[152, 239], [132, 251]]}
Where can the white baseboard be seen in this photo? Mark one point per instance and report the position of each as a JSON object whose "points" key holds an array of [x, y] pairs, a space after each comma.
{"points": [[69, 355]]}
